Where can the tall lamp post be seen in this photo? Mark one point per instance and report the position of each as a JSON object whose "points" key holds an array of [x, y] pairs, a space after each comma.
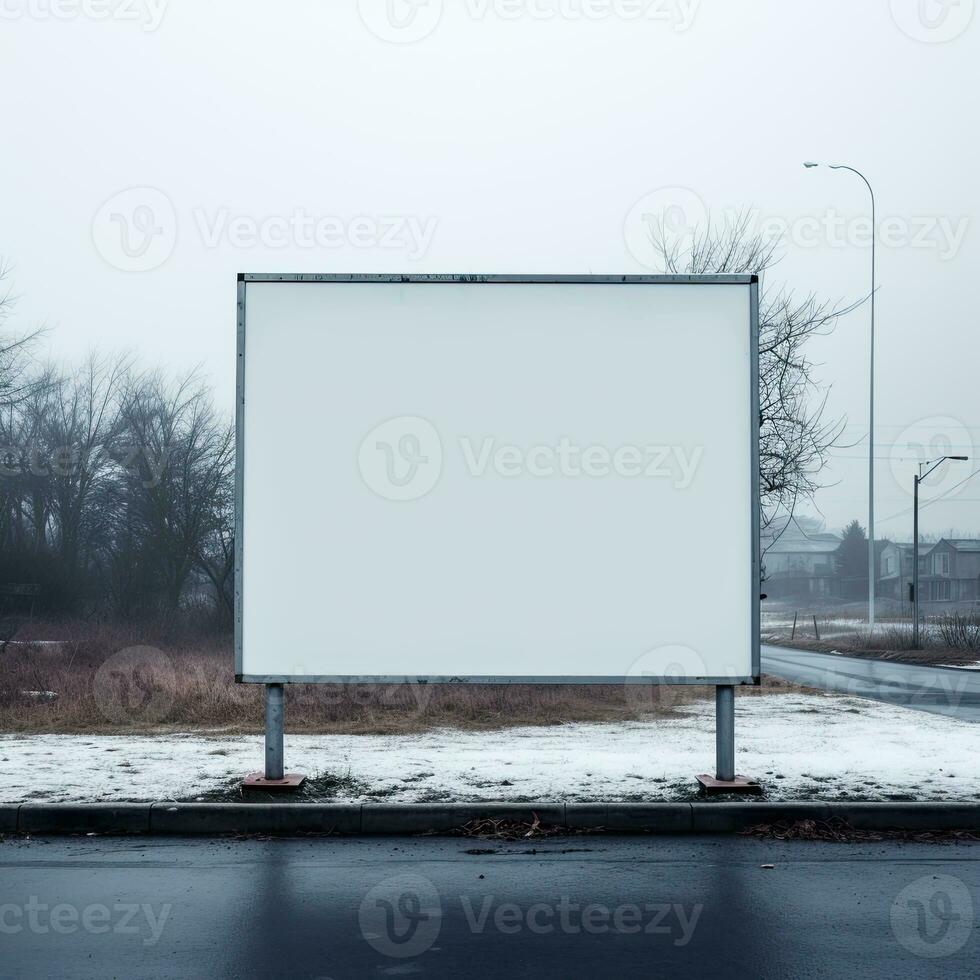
{"points": [[919, 477], [871, 410]]}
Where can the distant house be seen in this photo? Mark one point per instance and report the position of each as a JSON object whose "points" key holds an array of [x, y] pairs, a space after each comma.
{"points": [[798, 557], [949, 571], [895, 569]]}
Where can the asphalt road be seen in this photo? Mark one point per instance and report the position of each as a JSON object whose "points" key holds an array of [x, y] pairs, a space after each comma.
{"points": [[571, 907], [942, 690]]}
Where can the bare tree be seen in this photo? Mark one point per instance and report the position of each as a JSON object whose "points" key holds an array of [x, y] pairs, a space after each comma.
{"points": [[23, 514], [80, 420], [16, 381], [794, 432], [178, 457]]}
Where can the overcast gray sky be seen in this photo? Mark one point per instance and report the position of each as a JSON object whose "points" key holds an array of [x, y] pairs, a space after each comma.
{"points": [[152, 149]]}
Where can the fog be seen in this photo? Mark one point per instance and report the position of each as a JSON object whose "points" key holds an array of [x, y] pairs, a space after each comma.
{"points": [[153, 150]]}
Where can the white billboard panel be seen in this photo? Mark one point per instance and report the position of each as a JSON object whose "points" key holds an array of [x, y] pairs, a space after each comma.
{"points": [[506, 479]]}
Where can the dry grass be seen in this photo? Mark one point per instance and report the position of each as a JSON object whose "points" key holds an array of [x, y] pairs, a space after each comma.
{"points": [[839, 831], [114, 679]]}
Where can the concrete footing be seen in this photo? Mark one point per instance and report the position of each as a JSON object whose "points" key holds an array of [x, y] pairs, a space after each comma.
{"points": [[742, 785], [290, 782]]}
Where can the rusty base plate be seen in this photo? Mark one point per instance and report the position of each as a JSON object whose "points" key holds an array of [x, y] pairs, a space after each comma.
{"points": [[289, 781], [740, 784]]}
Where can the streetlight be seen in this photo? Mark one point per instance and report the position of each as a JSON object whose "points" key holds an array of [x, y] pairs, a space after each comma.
{"points": [[871, 409], [919, 477]]}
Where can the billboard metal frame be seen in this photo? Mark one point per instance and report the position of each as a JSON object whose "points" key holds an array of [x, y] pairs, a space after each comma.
{"points": [[752, 281]]}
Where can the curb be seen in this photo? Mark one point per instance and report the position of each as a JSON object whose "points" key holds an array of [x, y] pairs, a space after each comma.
{"points": [[213, 819]]}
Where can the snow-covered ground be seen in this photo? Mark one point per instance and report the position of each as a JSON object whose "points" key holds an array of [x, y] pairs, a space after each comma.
{"points": [[800, 746]]}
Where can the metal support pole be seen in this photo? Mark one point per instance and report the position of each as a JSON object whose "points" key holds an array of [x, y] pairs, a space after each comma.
{"points": [[915, 567], [872, 570], [725, 732], [872, 557], [273, 731]]}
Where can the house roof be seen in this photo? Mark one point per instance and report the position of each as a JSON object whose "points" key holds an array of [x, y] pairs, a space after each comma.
{"points": [[798, 536], [810, 545], [963, 544]]}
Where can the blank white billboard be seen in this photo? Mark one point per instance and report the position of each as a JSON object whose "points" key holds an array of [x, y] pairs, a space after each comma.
{"points": [[497, 479]]}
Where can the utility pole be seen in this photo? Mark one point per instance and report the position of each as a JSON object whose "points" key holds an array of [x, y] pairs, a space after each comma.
{"points": [[871, 399], [918, 478]]}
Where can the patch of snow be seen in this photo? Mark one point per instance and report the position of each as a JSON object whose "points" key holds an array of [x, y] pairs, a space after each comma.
{"points": [[800, 746], [36, 643]]}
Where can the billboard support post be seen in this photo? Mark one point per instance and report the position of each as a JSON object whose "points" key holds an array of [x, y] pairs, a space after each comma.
{"points": [[274, 778], [725, 732], [273, 731], [724, 780]]}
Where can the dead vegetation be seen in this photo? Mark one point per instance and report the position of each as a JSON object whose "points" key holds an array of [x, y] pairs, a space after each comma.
{"points": [[839, 831], [507, 829], [113, 679]]}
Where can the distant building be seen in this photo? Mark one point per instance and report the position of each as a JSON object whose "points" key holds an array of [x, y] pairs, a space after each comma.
{"points": [[800, 561], [895, 569], [950, 571], [798, 557]]}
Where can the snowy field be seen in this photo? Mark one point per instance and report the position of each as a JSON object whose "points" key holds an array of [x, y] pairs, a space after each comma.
{"points": [[815, 747]]}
